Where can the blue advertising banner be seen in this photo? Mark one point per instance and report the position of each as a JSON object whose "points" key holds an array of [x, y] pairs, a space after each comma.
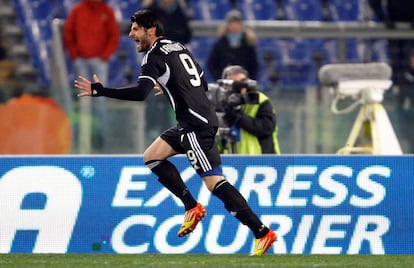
{"points": [[114, 204]]}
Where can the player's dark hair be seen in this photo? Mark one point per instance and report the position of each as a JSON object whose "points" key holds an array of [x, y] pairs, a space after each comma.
{"points": [[148, 19]]}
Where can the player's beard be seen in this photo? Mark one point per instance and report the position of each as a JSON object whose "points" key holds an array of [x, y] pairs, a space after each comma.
{"points": [[144, 44]]}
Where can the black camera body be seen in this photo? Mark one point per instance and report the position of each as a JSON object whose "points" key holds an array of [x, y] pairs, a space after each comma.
{"points": [[218, 96], [225, 91]]}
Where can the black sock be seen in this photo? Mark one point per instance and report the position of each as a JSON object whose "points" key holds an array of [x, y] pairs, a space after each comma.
{"points": [[169, 176], [237, 205]]}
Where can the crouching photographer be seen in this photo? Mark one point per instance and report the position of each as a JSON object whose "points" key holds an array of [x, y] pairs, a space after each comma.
{"points": [[249, 114]]}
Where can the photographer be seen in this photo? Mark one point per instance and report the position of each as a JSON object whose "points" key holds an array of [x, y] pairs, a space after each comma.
{"points": [[250, 114]]}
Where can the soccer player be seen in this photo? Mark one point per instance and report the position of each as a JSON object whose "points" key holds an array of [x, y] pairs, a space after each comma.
{"points": [[168, 67]]}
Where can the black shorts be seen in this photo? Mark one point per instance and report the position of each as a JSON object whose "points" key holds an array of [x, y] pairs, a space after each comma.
{"points": [[199, 146]]}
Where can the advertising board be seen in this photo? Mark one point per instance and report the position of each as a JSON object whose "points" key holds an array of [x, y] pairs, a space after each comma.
{"points": [[114, 204]]}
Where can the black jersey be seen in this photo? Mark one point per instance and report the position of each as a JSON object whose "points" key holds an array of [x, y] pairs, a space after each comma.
{"points": [[181, 78]]}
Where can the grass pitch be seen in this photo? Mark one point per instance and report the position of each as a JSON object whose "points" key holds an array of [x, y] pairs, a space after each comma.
{"points": [[199, 260]]}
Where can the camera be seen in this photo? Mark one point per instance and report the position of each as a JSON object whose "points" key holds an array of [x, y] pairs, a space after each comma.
{"points": [[237, 86], [365, 83], [218, 96], [219, 93]]}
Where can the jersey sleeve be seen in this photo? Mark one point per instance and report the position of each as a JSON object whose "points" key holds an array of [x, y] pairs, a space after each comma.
{"points": [[151, 69], [137, 92]]}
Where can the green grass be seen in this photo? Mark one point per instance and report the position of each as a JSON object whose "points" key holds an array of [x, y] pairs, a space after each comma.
{"points": [[200, 260]]}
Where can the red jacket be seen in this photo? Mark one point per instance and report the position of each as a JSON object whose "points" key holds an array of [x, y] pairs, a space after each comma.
{"points": [[91, 30]]}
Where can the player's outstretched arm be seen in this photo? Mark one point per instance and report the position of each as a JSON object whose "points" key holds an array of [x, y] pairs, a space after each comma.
{"points": [[95, 89]]}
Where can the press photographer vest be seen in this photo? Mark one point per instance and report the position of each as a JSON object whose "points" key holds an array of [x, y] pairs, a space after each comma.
{"points": [[249, 143]]}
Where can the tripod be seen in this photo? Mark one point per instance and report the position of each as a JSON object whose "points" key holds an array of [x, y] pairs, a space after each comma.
{"points": [[226, 141], [372, 133]]}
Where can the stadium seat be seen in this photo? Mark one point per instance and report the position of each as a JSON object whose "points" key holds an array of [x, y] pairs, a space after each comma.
{"points": [[200, 48], [352, 54], [67, 6], [37, 43], [298, 50], [380, 51], [127, 53], [258, 10], [344, 10], [303, 10], [19, 12], [124, 9], [367, 50], [45, 29], [42, 9], [323, 50], [296, 76], [210, 10], [269, 49], [116, 72]]}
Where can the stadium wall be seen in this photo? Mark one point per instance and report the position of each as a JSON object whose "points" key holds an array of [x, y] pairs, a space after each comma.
{"points": [[113, 204]]}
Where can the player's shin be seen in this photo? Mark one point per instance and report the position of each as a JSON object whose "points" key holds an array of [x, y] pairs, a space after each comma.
{"points": [[235, 203], [169, 176]]}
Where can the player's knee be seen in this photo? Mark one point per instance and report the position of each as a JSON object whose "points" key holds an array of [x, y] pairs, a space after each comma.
{"points": [[147, 156], [150, 155], [210, 184], [152, 164], [211, 181], [212, 177]]}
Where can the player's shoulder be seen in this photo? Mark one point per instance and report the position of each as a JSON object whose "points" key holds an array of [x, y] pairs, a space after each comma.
{"points": [[153, 54], [166, 46], [162, 49]]}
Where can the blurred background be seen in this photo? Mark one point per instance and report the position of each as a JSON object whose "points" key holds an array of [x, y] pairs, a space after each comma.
{"points": [[294, 38]]}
